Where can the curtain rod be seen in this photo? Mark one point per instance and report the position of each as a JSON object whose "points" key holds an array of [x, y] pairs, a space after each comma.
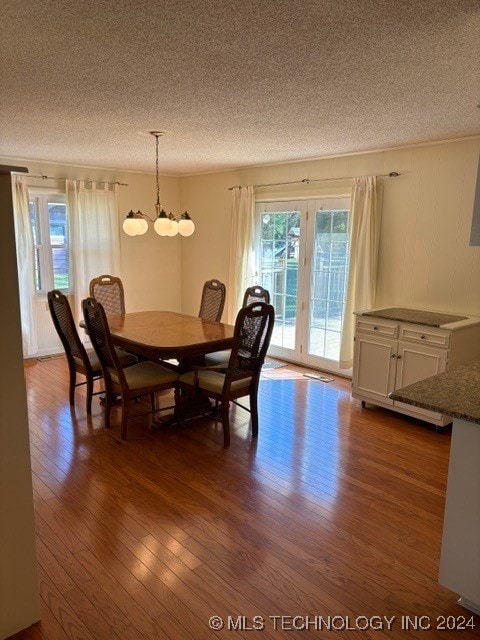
{"points": [[392, 174], [44, 177]]}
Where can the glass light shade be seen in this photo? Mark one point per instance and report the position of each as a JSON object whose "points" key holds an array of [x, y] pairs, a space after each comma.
{"points": [[143, 226], [162, 226], [131, 226], [173, 228], [186, 227]]}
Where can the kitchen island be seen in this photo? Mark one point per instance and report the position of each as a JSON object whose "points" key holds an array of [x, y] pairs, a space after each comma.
{"points": [[456, 393]]}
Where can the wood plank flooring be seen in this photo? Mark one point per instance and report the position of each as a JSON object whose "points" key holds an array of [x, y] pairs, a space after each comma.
{"points": [[332, 519]]}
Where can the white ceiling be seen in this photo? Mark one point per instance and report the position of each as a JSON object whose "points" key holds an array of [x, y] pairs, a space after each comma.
{"points": [[233, 82]]}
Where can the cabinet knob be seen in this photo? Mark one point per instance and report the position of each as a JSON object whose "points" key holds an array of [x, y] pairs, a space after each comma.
{"points": [[393, 355], [422, 337], [399, 357], [375, 328]]}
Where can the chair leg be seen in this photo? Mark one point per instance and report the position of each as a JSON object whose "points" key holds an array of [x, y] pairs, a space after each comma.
{"points": [[226, 423], [125, 409], [108, 407], [71, 389], [254, 412], [216, 412], [89, 394], [152, 402]]}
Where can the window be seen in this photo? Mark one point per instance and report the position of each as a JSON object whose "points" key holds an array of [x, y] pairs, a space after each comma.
{"points": [[48, 215]]}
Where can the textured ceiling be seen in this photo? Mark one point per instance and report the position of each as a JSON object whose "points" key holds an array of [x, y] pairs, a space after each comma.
{"points": [[233, 82]]}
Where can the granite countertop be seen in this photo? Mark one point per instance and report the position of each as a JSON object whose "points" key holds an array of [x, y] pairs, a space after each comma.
{"points": [[416, 316], [455, 393]]}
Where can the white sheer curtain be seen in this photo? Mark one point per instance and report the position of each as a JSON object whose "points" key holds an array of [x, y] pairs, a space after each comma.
{"points": [[362, 273], [242, 249], [26, 264], [94, 234]]}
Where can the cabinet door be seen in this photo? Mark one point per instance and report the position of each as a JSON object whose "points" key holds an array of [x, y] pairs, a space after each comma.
{"points": [[374, 367], [416, 362]]}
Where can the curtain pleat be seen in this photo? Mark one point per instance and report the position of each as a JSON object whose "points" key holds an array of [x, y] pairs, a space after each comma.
{"points": [[26, 264], [362, 273], [242, 249]]}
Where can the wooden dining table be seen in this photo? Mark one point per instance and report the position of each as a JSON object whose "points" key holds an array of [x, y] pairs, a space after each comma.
{"points": [[168, 334]]}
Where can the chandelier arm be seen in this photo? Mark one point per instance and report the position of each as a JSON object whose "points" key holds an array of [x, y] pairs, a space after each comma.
{"points": [[144, 215]]}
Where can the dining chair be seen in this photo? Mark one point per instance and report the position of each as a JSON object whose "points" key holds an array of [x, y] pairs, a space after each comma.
{"points": [[80, 360], [252, 294], [108, 290], [213, 301], [255, 294], [141, 379], [241, 376]]}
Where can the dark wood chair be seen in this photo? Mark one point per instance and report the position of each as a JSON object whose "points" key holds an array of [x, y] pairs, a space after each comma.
{"points": [[108, 290], [80, 360], [253, 330], [252, 294], [141, 379], [213, 301]]}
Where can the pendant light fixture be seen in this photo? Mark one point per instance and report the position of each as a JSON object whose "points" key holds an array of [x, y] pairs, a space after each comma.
{"points": [[136, 223]]}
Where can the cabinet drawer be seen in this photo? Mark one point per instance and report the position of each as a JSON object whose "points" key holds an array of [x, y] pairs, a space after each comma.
{"points": [[378, 326], [425, 335]]}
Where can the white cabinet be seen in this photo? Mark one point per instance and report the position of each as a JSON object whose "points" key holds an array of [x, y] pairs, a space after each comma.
{"points": [[389, 355]]}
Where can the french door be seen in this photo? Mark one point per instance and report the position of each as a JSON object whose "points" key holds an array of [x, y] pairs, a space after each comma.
{"points": [[303, 249]]}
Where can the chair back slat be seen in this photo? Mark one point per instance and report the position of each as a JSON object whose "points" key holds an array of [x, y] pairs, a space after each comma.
{"points": [[253, 330], [65, 325], [108, 290], [99, 332], [213, 301]]}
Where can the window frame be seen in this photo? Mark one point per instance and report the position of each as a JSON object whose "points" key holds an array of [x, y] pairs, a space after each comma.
{"points": [[43, 246]]}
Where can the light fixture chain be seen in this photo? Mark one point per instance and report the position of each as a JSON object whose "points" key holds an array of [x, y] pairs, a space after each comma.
{"points": [[156, 167]]}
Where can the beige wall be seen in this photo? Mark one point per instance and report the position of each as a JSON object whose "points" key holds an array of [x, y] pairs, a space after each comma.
{"points": [[150, 264], [425, 258], [205, 254]]}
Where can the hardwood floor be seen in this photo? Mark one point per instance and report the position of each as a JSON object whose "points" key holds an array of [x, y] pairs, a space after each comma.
{"points": [[334, 513]]}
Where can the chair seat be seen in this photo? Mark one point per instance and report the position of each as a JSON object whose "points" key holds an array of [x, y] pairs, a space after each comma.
{"points": [[146, 374], [213, 381], [125, 358], [217, 357]]}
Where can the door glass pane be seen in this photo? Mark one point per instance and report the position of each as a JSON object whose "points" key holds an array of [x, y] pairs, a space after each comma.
{"points": [[280, 237], [36, 242], [60, 267], [328, 283], [57, 219]]}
